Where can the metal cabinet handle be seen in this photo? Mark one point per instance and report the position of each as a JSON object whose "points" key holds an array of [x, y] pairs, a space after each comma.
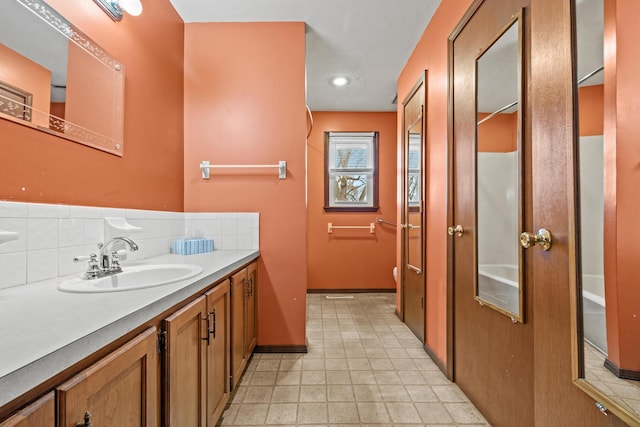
{"points": [[416, 269], [213, 330], [457, 230], [206, 336], [87, 420], [542, 239]]}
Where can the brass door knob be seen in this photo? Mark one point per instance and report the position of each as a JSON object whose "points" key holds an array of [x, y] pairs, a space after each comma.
{"points": [[457, 230], [542, 239]]}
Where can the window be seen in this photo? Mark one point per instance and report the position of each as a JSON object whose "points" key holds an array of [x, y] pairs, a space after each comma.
{"points": [[351, 171]]}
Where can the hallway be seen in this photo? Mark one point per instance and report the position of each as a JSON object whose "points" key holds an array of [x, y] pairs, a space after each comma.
{"points": [[364, 367]]}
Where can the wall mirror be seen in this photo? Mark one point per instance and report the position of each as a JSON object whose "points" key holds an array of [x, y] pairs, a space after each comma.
{"points": [[498, 165], [56, 80], [607, 355], [414, 196]]}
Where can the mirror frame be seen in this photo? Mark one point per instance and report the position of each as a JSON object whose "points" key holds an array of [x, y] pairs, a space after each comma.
{"points": [[603, 401], [516, 19], [110, 144]]}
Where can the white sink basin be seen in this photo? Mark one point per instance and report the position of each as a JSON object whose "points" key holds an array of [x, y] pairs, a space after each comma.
{"points": [[133, 277]]}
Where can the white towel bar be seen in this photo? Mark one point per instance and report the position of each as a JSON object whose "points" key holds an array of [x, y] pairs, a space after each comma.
{"points": [[205, 167], [371, 227]]}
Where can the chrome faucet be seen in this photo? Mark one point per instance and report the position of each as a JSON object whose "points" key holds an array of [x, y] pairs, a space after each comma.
{"points": [[109, 262]]}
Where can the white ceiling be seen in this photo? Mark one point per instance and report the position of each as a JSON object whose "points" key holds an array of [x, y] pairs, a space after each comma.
{"points": [[369, 41]]}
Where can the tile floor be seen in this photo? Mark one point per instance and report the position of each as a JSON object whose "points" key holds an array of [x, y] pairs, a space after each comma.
{"points": [[364, 367]]}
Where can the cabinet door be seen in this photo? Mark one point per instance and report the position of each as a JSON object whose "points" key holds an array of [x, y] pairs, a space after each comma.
{"points": [[119, 390], [218, 353], [238, 355], [185, 367], [251, 318], [41, 413]]}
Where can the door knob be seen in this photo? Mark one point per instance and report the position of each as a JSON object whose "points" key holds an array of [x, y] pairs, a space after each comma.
{"points": [[542, 239], [408, 226], [457, 230]]}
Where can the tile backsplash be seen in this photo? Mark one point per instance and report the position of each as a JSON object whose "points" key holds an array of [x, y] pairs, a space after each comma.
{"points": [[50, 236]]}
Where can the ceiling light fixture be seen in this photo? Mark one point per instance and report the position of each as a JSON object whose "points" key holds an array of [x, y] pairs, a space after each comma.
{"points": [[340, 81], [115, 8]]}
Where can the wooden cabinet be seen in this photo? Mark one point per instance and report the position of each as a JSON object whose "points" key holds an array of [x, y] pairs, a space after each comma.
{"points": [[196, 369], [119, 390], [244, 326], [251, 318], [205, 346], [218, 363], [41, 413], [184, 367], [238, 307]]}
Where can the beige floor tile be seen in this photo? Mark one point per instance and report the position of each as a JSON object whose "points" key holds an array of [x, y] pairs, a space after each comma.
{"points": [[338, 377], [336, 364], [282, 413], [346, 413], [312, 413], [285, 393], [434, 413], [464, 413], [340, 393], [373, 413], [251, 414], [313, 377], [313, 393], [260, 394], [402, 413], [363, 367], [367, 393]]}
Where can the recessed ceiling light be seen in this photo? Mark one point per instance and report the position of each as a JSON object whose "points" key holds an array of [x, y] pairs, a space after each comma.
{"points": [[340, 81]]}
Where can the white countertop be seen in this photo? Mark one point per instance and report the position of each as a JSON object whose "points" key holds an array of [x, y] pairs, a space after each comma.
{"points": [[43, 331]]}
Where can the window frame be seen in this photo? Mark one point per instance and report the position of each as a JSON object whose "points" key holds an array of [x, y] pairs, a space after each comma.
{"points": [[346, 207]]}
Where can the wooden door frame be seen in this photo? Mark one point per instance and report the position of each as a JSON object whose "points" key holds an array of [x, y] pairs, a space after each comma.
{"points": [[422, 81], [449, 371]]}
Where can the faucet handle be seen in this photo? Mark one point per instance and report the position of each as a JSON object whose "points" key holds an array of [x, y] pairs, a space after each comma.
{"points": [[92, 258]]}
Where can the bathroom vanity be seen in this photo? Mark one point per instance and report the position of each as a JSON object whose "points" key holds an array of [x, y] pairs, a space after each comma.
{"points": [[165, 355]]}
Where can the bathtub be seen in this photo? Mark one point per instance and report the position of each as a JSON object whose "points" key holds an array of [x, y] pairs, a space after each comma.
{"points": [[504, 273], [498, 285], [593, 311]]}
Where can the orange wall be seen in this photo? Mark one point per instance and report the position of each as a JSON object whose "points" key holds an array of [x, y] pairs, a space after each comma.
{"points": [[21, 72], [38, 167], [351, 259], [431, 54], [498, 134], [591, 110], [89, 104], [245, 104], [622, 175]]}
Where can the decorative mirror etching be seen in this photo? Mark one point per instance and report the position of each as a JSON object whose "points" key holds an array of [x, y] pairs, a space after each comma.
{"points": [[498, 174], [599, 324], [76, 88]]}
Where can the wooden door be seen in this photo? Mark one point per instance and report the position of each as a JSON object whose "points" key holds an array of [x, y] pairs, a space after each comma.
{"points": [[185, 366], [119, 390], [251, 319], [413, 220], [41, 413], [218, 353], [492, 352], [238, 306]]}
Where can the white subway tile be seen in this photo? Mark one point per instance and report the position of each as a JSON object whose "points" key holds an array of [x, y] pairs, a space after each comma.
{"points": [[71, 232], [42, 265], [42, 233], [41, 210], [228, 243], [229, 227], [13, 269], [243, 241], [13, 210], [93, 231]]}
